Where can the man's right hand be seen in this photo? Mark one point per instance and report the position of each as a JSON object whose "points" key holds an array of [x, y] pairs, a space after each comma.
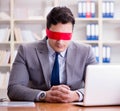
{"points": [[61, 93]]}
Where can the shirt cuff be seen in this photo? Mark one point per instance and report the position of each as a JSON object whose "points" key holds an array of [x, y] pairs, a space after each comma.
{"points": [[80, 95], [38, 96]]}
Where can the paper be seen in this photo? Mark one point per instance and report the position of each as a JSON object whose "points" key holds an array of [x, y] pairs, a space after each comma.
{"points": [[17, 104]]}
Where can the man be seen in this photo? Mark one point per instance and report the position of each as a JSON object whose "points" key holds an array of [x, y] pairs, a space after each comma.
{"points": [[32, 77]]}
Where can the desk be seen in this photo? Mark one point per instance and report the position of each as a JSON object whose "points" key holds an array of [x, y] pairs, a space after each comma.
{"points": [[60, 107]]}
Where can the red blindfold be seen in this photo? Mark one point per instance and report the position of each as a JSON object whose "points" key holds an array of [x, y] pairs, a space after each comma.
{"points": [[58, 35]]}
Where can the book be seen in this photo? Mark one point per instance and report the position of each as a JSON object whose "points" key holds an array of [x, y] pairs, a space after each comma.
{"points": [[3, 95], [3, 33], [1, 53], [15, 54], [2, 76], [4, 16], [25, 35], [7, 58], [36, 36], [4, 57], [4, 80], [18, 36], [7, 35], [28, 36]]}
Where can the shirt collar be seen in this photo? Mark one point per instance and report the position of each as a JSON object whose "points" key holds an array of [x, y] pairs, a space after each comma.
{"points": [[52, 52]]}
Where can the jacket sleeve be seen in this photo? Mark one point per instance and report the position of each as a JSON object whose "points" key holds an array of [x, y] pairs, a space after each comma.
{"points": [[19, 83], [90, 60]]}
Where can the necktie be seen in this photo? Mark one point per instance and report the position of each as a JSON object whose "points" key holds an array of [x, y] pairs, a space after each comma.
{"points": [[55, 71]]}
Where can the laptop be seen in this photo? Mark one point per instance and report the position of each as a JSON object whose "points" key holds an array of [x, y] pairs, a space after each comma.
{"points": [[102, 85]]}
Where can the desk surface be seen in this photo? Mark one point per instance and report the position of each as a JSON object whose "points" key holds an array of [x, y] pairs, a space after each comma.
{"points": [[60, 107]]}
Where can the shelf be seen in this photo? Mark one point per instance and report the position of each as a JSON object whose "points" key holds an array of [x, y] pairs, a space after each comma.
{"points": [[33, 18], [5, 43], [87, 19], [29, 20], [5, 66], [111, 42], [44, 19], [111, 21], [30, 15], [24, 42], [87, 42], [5, 21]]}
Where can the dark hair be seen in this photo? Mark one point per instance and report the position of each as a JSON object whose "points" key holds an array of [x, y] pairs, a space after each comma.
{"points": [[60, 15]]}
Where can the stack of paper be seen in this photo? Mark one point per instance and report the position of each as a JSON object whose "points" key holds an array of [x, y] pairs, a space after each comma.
{"points": [[17, 104]]}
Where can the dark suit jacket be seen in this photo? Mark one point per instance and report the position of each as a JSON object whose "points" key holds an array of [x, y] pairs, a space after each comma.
{"points": [[31, 70]]}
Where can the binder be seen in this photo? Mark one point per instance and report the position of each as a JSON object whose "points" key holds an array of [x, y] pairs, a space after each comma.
{"points": [[108, 9], [106, 54], [111, 9], [96, 52], [88, 32], [80, 11], [93, 32], [103, 9], [84, 9], [88, 9], [96, 32], [92, 9]]}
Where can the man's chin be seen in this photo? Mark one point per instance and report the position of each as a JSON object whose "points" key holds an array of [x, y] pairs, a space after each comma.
{"points": [[59, 50]]}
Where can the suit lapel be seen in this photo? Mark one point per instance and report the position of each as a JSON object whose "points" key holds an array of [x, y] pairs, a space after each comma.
{"points": [[70, 63], [43, 57], [42, 52]]}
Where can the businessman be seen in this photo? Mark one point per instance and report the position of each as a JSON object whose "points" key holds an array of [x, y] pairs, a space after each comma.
{"points": [[52, 69]]}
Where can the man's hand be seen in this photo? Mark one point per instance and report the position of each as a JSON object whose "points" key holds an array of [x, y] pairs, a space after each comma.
{"points": [[61, 93]]}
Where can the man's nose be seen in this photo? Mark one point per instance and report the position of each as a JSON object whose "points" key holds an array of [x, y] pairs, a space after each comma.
{"points": [[60, 41]]}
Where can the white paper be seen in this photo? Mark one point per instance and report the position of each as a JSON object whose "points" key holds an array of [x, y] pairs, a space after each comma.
{"points": [[17, 104]]}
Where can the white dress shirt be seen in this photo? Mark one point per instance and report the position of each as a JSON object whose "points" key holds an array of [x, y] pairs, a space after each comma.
{"points": [[62, 62]]}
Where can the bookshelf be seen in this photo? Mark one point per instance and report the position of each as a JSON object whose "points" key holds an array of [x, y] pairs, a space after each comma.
{"points": [[29, 17]]}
